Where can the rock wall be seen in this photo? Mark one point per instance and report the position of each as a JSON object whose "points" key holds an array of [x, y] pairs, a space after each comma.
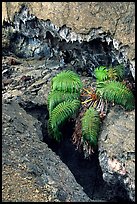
{"points": [[116, 17], [31, 171], [25, 89], [31, 86], [117, 150]]}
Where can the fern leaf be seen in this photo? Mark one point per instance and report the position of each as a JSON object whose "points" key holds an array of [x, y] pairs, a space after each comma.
{"points": [[117, 92], [67, 81], [112, 73], [101, 73], [120, 71], [56, 97], [90, 126], [60, 114], [55, 133]]}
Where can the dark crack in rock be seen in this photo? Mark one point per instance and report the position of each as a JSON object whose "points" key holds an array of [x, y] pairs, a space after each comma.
{"points": [[30, 162], [43, 50], [31, 93]]}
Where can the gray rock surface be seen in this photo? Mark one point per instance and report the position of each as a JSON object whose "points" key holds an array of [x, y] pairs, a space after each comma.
{"points": [[34, 38], [117, 18], [117, 150], [31, 171], [29, 87], [24, 150]]}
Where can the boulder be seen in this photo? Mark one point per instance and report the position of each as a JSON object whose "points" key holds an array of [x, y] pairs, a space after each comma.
{"points": [[117, 150], [30, 170]]}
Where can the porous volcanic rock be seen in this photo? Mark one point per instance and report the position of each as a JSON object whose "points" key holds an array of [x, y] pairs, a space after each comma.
{"points": [[28, 83], [30, 170], [117, 150], [84, 19], [60, 40]]}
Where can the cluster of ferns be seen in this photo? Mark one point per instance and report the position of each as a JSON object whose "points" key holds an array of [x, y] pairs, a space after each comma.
{"points": [[64, 101]]}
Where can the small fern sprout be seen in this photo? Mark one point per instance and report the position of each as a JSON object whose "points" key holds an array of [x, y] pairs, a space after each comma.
{"points": [[101, 73], [112, 74], [120, 70]]}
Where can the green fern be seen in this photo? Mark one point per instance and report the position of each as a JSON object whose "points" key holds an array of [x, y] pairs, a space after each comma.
{"points": [[101, 73], [90, 126], [120, 70], [117, 92], [54, 133], [56, 97], [64, 102], [60, 114], [67, 81], [112, 73]]}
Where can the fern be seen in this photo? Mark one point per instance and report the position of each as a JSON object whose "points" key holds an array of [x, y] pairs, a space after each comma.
{"points": [[112, 73], [64, 102], [56, 97], [90, 126], [67, 81], [101, 73], [60, 114], [117, 92], [120, 71], [54, 133]]}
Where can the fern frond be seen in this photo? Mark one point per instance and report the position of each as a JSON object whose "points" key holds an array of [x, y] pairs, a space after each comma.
{"points": [[112, 73], [60, 114], [55, 133], [90, 126], [67, 81], [117, 92], [101, 73], [56, 97], [120, 70]]}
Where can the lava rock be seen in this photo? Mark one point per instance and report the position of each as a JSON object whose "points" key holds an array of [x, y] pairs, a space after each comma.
{"points": [[31, 163], [117, 150], [37, 39], [33, 97]]}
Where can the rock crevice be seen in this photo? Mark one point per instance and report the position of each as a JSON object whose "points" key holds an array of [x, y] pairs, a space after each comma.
{"points": [[39, 49]]}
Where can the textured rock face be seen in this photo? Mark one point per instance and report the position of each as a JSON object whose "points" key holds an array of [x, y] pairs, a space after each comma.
{"points": [[117, 149], [31, 171], [116, 17], [33, 38], [28, 84], [30, 161]]}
